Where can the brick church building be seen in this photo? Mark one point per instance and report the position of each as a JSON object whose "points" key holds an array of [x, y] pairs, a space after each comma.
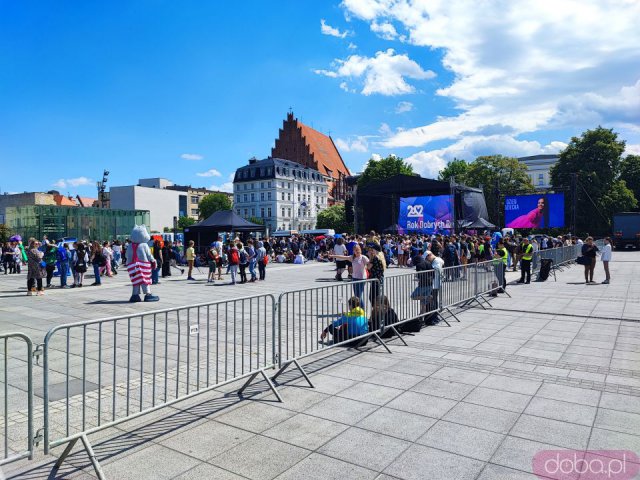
{"points": [[302, 144]]}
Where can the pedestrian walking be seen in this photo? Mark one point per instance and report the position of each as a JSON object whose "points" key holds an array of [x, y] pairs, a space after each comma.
{"points": [[605, 256], [35, 268]]}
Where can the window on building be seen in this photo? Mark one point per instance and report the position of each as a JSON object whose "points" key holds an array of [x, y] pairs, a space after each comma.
{"points": [[282, 195], [253, 197], [246, 212], [261, 195], [194, 211], [281, 184], [541, 179], [288, 212], [269, 212], [253, 212], [253, 173], [237, 198], [288, 196], [288, 184], [283, 212], [195, 199], [269, 171], [261, 184], [298, 197], [245, 197], [268, 195], [262, 212], [262, 172], [269, 184], [238, 212]]}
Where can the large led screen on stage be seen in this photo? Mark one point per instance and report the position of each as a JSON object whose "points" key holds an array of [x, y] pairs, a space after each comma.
{"points": [[534, 211], [432, 214]]}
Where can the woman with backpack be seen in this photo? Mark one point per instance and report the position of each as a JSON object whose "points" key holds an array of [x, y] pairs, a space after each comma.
{"points": [[80, 264], [98, 261], [35, 268], [244, 261], [251, 257], [234, 261]]}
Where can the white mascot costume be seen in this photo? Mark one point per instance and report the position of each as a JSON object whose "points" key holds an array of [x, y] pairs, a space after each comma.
{"points": [[140, 262]]}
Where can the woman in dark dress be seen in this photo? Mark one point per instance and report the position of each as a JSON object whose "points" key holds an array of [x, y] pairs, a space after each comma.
{"points": [[166, 255], [589, 251]]}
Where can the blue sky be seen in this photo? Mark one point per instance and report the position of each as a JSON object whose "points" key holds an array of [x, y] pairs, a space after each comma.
{"points": [[177, 89]]}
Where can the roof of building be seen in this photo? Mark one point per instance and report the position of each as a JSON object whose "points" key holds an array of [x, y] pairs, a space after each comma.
{"points": [[258, 165], [539, 157], [324, 152], [86, 201], [64, 201]]}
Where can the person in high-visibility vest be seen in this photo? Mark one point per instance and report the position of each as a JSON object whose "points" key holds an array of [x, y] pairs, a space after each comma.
{"points": [[525, 263], [501, 256]]}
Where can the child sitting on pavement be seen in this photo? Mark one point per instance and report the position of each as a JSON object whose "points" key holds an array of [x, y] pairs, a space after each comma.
{"points": [[350, 325]]}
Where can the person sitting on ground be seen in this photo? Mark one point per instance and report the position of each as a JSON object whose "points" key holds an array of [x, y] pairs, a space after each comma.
{"points": [[299, 259], [382, 315], [350, 325], [280, 258]]}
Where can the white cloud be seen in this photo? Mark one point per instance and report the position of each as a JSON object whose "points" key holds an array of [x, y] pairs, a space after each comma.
{"points": [[353, 144], [331, 31], [73, 182], [520, 66], [384, 30], [383, 74], [210, 173], [191, 156], [429, 163], [225, 187], [385, 129], [632, 149], [352, 46], [404, 107]]}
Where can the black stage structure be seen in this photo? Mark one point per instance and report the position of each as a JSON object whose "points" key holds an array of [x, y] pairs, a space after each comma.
{"points": [[377, 205], [223, 221]]}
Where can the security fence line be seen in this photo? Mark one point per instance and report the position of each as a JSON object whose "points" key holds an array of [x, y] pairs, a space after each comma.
{"points": [[7, 340], [112, 370]]}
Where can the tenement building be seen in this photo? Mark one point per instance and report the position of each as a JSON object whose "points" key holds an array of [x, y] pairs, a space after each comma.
{"points": [[302, 144], [282, 194]]}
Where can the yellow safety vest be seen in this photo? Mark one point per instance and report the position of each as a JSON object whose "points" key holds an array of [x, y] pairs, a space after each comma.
{"points": [[503, 255], [528, 252]]}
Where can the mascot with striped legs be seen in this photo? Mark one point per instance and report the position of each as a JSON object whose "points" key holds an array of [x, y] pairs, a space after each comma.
{"points": [[140, 262]]}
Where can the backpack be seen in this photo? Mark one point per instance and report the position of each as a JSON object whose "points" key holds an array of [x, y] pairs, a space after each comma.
{"points": [[234, 258], [99, 259], [243, 256]]}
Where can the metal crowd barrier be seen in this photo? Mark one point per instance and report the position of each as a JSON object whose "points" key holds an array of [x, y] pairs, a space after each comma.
{"points": [[303, 316], [100, 373], [560, 257], [16, 381], [111, 370]]}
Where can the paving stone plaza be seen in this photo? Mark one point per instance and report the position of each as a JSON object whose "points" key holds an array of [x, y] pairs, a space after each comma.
{"points": [[554, 367]]}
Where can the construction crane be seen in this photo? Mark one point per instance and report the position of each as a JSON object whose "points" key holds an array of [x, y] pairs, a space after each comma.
{"points": [[101, 188]]}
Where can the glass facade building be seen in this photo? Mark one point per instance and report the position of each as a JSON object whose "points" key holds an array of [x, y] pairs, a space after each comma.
{"points": [[82, 223]]}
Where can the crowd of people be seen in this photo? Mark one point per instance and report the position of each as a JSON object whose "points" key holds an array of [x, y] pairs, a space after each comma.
{"points": [[356, 257]]}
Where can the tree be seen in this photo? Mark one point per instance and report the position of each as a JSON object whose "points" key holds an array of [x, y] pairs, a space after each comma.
{"points": [[184, 222], [630, 173], [213, 203], [384, 168], [595, 159], [498, 174], [5, 233], [334, 217], [256, 220], [457, 169]]}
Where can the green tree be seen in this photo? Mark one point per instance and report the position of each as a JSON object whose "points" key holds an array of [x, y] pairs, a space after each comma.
{"points": [[496, 172], [5, 233], [184, 222], [256, 220], [457, 169], [384, 168], [595, 158], [334, 217], [630, 173], [213, 203]]}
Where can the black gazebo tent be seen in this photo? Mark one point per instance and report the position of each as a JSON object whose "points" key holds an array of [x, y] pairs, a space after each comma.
{"points": [[207, 231]]}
